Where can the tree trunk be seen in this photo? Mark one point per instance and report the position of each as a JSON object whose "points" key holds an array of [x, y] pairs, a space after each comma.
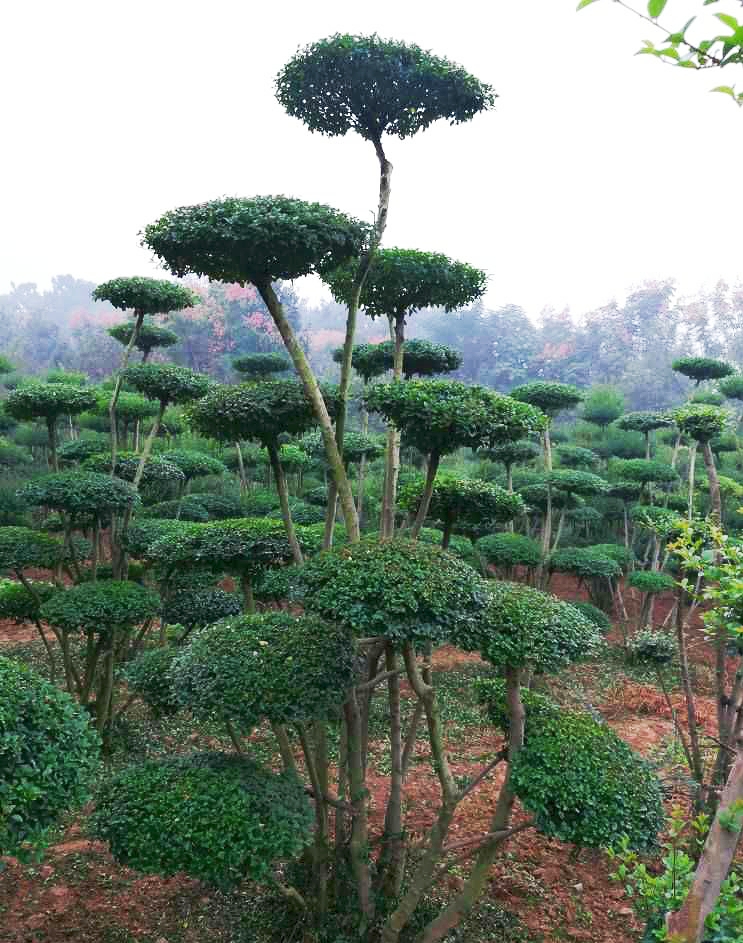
{"points": [[420, 517], [692, 463], [241, 468], [446, 536], [138, 318], [278, 473], [51, 428], [392, 455], [715, 500], [715, 863], [392, 859], [312, 390], [149, 442]]}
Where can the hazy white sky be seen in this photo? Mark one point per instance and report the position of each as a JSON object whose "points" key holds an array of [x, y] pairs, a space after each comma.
{"points": [[596, 170]]}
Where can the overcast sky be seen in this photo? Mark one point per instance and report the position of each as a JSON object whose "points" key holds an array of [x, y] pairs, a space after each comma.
{"points": [[596, 170]]}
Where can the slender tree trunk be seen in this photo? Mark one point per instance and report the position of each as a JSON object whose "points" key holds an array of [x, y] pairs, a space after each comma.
{"points": [[547, 522], [446, 536], [393, 856], [149, 442], [241, 468], [51, 428], [558, 535], [420, 517], [246, 585], [509, 488], [312, 390], [715, 499], [647, 446], [359, 827], [278, 473], [392, 454], [138, 319], [692, 463]]}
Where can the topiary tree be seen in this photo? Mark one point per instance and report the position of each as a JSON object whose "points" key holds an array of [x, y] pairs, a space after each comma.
{"points": [[731, 386], [573, 482], [521, 452], [149, 337], [700, 369], [645, 422], [707, 398], [48, 401], [68, 377], [602, 405], [398, 283], [440, 416], [50, 758], [168, 385], [226, 818], [703, 424], [260, 366], [105, 613], [649, 583], [507, 551], [596, 569], [375, 87], [457, 501], [262, 240], [552, 399], [574, 456], [420, 358], [194, 464], [131, 410], [143, 296], [194, 609], [263, 411]]}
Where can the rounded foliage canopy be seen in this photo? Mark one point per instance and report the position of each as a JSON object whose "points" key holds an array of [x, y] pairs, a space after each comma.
{"points": [[21, 547], [101, 606], [145, 295], [649, 581], [150, 336], [509, 550], [550, 397], [512, 453], [194, 464], [574, 481], [440, 416], [275, 666], [261, 365], [376, 86], [732, 386], [702, 368], [463, 499], [524, 627], [256, 240], [50, 756], [48, 401], [129, 407], [585, 562], [602, 405], [196, 608], [225, 818], [419, 358], [574, 456], [167, 383], [644, 471], [644, 421], [259, 411], [77, 493], [700, 422], [401, 281], [401, 589], [18, 604]]}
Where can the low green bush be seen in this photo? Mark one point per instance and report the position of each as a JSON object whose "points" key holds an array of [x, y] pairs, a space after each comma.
{"points": [[595, 615], [148, 676], [509, 550], [650, 581], [18, 604]]}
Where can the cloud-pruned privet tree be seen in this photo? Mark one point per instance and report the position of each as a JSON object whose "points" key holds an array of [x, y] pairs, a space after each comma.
{"points": [[521, 452], [507, 551], [168, 385], [645, 422], [50, 758], [260, 366], [572, 481], [150, 337], [142, 296], [575, 456], [48, 401], [375, 87], [440, 416], [552, 398], [703, 424], [700, 369], [263, 411], [463, 502], [131, 410], [260, 241], [398, 283], [602, 405], [420, 358]]}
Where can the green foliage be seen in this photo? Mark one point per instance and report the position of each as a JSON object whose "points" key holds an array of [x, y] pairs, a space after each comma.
{"points": [[523, 627], [402, 281], [602, 405], [654, 646], [624, 556], [460, 546], [463, 500], [80, 493], [643, 470], [257, 366], [101, 607], [148, 676], [166, 382], [583, 784], [260, 240], [219, 506], [196, 608], [369, 360], [225, 818], [69, 377], [129, 407], [375, 86], [47, 401], [145, 295], [420, 358], [702, 368], [77, 450], [595, 615], [644, 421], [573, 456], [584, 562], [357, 446], [551, 398], [156, 469], [143, 533], [708, 397], [732, 386], [302, 513], [275, 666], [509, 550], [186, 509], [650, 581], [6, 366], [49, 757], [700, 422], [403, 590], [519, 452], [574, 481], [18, 604], [11, 456], [194, 464], [440, 416], [149, 338], [625, 490], [259, 411], [661, 521], [21, 547]]}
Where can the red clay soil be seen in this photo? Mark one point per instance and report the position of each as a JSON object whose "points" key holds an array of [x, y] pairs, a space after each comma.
{"points": [[80, 894]]}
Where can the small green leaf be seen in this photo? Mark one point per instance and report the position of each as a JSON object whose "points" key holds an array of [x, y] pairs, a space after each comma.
{"points": [[726, 90], [728, 21], [655, 8], [584, 3]]}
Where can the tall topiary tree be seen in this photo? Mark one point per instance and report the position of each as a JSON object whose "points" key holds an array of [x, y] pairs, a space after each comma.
{"points": [[131, 410], [263, 411], [142, 296], [573, 482], [260, 366], [150, 336], [262, 240], [48, 401], [700, 369], [703, 424], [440, 416], [375, 87], [645, 422], [398, 283]]}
